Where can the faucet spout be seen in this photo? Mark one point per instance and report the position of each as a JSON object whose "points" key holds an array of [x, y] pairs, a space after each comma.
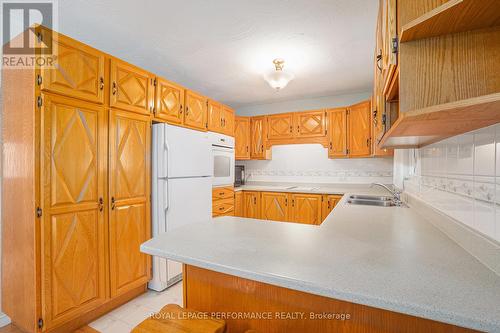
{"points": [[395, 193]]}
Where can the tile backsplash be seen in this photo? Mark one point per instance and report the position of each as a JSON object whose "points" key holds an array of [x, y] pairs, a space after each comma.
{"points": [[460, 176], [309, 163]]}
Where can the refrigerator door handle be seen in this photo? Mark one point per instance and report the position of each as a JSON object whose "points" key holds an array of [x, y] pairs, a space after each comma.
{"points": [[167, 196]]}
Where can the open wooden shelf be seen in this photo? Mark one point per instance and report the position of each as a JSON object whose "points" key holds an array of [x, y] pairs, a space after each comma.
{"points": [[453, 16], [418, 128], [391, 90]]}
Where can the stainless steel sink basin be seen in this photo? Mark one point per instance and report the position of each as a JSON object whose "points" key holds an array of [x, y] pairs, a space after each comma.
{"points": [[379, 203], [371, 197]]}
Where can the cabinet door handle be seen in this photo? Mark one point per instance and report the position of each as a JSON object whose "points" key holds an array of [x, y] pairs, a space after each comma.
{"points": [[293, 202], [187, 110], [291, 128], [247, 149], [286, 202], [331, 146], [298, 128], [114, 90], [101, 83], [180, 112], [254, 200], [328, 204], [368, 142], [101, 204], [113, 204]]}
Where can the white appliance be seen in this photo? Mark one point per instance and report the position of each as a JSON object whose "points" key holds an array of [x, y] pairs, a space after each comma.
{"points": [[222, 159], [181, 189]]}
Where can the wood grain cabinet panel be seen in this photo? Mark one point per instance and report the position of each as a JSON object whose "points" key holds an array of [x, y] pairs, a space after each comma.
{"points": [[169, 101], [129, 192], [306, 208], [74, 151], [251, 203], [329, 202], [195, 115], [227, 120], [310, 124], [242, 138], [280, 126], [275, 206], [337, 122], [238, 204], [215, 117], [131, 88], [78, 71], [258, 133], [359, 123]]}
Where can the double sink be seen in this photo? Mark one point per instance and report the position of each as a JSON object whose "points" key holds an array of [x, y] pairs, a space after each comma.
{"points": [[373, 200]]}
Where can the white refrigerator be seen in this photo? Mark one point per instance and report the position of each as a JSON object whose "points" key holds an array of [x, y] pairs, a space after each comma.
{"points": [[181, 189]]}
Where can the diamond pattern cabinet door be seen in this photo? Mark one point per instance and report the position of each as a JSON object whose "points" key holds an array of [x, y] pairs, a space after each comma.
{"points": [[337, 133], [215, 117], [242, 138], [131, 88], [359, 122], [227, 120], [251, 204], [280, 126], [169, 102], [77, 72], [311, 124], [258, 132], [73, 226], [195, 115], [306, 208], [329, 202], [274, 206], [129, 191]]}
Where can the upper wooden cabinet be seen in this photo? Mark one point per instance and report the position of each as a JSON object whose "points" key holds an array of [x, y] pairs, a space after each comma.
{"points": [[350, 131], [274, 206], [227, 120], [359, 132], [77, 72], [73, 225], [169, 101], [337, 129], [281, 126], [215, 119], [310, 124], [258, 133], [131, 88], [306, 208], [195, 115], [242, 138]]}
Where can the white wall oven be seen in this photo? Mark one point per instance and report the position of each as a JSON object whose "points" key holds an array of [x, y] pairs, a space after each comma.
{"points": [[222, 159]]}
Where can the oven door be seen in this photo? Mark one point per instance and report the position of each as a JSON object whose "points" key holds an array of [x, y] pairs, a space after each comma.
{"points": [[223, 166]]}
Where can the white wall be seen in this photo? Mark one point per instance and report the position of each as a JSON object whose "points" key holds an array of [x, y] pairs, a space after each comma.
{"points": [[309, 163], [303, 104], [459, 176]]}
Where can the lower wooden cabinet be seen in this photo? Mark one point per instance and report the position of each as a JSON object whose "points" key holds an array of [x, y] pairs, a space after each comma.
{"points": [[222, 201], [329, 201], [274, 206], [129, 193], [306, 208], [238, 204], [251, 204]]}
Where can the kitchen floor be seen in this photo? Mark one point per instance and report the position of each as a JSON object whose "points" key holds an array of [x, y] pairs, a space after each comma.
{"points": [[129, 315]]}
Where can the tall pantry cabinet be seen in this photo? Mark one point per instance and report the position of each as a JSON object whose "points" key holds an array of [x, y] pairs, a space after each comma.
{"points": [[76, 148]]}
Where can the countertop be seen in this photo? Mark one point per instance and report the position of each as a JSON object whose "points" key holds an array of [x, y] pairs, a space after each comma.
{"points": [[385, 257]]}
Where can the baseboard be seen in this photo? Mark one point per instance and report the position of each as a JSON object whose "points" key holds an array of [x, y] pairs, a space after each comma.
{"points": [[4, 319]]}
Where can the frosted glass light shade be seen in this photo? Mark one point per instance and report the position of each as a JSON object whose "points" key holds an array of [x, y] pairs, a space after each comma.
{"points": [[278, 79]]}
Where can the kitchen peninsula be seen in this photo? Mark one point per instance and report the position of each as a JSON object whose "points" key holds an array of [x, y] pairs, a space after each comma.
{"points": [[359, 261]]}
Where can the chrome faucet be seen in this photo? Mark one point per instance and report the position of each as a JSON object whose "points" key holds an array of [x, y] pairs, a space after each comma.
{"points": [[395, 192]]}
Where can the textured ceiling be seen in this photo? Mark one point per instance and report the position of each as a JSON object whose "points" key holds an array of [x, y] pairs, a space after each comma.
{"points": [[221, 48]]}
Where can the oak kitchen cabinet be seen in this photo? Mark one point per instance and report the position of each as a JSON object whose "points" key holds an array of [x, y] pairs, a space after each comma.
{"points": [[132, 88], [222, 201], [215, 117], [238, 204], [274, 206], [169, 101], [80, 176], [306, 124], [306, 208], [350, 131], [195, 115], [242, 138], [258, 134], [227, 120], [281, 126], [329, 201], [251, 204]]}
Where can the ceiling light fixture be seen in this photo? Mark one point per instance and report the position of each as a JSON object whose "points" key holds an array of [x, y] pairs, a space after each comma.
{"points": [[278, 79]]}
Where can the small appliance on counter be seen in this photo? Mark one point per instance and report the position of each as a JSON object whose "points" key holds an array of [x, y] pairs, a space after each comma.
{"points": [[239, 175]]}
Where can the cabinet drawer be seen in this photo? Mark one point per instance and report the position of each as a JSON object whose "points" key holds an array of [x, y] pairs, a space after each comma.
{"points": [[222, 193], [222, 207]]}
